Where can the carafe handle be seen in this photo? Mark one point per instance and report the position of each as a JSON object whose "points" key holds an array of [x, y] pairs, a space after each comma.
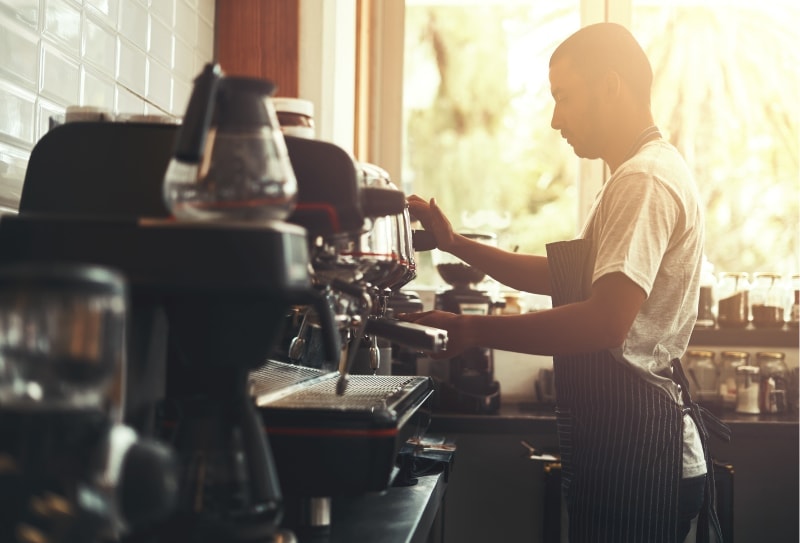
{"points": [[192, 136]]}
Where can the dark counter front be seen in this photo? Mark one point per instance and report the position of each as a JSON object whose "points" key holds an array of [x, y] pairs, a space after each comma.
{"points": [[495, 489], [406, 514], [529, 417]]}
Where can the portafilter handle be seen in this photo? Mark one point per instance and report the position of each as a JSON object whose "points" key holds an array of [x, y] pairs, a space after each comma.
{"points": [[422, 240], [409, 334]]}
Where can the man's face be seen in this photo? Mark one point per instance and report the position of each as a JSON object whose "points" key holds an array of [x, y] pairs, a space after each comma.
{"points": [[577, 113]]}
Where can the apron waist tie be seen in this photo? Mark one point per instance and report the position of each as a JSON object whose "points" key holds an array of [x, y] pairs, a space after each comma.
{"points": [[706, 421]]}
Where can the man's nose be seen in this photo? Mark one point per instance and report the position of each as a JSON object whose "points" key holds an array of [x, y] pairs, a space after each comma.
{"points": [[555, 122]]}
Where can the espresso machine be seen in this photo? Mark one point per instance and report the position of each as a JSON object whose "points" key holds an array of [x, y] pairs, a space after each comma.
{"points": [[225, 231], [466, 381], [336, 430], [213, 268]]}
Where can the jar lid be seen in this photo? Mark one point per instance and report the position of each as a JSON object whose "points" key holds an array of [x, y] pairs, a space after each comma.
{"points": [[735, 354], [771, 355], [284, 104], [700, 354]]}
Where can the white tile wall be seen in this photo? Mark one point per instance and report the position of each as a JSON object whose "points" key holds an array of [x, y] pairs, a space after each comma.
{"points": [[128, 56]]}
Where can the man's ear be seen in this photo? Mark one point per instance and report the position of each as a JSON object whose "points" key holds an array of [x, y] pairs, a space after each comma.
{"points": [[611, 84]]}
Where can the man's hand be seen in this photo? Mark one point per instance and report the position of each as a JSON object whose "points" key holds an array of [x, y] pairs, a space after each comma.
{"points": [[433, 220], [444, 321]]}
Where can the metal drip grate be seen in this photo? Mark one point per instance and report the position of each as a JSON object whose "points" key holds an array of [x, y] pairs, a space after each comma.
{"points": [[364, 392], [283, 386], [275, 376]]}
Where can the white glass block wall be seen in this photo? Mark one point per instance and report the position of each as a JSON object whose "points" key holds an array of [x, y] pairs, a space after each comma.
{"points": [[126, 56]]}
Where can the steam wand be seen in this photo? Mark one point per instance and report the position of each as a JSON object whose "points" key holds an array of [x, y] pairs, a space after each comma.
{"points": [[360, 319]]}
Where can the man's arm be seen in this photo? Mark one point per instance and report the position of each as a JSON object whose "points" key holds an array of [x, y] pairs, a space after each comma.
{"points": [[601, 322], [527, 273]]}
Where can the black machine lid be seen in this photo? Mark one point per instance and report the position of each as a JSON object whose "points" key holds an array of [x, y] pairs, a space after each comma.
{"points": [[330, 196], [99, 170]]}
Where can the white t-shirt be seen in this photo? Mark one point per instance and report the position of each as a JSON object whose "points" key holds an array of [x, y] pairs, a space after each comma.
{"points": [[647, 223]]}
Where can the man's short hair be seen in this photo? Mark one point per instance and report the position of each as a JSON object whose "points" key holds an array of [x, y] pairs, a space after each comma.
{"points": [[602, 47]]}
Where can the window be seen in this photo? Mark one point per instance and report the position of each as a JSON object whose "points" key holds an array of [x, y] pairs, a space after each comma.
{"points": [[726, 90], [477, 113], [476, 118], [725, 93]]}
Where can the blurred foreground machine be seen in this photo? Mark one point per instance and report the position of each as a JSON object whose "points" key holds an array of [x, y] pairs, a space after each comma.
{"points": [[70, 470]]}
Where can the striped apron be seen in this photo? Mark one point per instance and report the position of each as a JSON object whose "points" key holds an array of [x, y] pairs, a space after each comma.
{"points": [[620, 437]]}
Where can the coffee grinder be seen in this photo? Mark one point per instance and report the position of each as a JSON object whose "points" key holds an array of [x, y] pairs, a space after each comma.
{"points": [[467, 382]]}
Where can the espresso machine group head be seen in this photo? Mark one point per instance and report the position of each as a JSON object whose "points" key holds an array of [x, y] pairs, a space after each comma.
{"points": [[360, 249]]}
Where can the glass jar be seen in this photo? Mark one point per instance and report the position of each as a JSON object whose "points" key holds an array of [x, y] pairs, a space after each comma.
{"points": [[793, 305], [767, 300], [704, 378], [747, 387], [706, 304], [729, 363], [733, 307], [774, 382]]}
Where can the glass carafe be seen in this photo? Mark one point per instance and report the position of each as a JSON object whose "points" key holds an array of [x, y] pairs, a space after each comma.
{"points": [[231, 163]]}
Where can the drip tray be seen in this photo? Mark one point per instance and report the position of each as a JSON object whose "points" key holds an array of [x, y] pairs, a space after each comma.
{"points": [[325, 444]]}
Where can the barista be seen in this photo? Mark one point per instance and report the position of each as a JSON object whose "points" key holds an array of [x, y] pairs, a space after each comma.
{"points": [[625, 299]]}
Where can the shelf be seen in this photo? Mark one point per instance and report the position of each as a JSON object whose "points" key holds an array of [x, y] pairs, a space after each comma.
{"points": [[746, 337]]}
